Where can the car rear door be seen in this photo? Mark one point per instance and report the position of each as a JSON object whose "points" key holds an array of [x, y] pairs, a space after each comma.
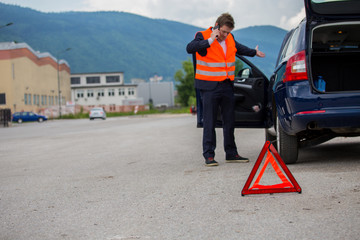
{"points": [[330, 10], [24, 116]]}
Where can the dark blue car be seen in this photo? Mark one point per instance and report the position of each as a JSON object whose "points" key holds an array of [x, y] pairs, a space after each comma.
{"points": [[27, 117], [314, 93]]}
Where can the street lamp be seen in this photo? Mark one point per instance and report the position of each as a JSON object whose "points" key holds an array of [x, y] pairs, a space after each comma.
{"points": [[154, 76], [58, 78], [150, 98]]}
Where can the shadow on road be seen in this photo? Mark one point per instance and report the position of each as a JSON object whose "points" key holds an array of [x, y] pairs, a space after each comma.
{"points": [[330, 152]]}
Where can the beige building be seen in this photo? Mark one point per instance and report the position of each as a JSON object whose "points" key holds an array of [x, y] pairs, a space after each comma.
{"points": [[30, 80]]}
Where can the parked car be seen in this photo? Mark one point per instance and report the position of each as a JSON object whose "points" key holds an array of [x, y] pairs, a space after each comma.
{"points": [[314, 93], [27, 117], [97, 112]]}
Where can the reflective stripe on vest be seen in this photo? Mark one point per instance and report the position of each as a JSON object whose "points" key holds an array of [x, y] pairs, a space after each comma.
{"points": [[215, 66]]}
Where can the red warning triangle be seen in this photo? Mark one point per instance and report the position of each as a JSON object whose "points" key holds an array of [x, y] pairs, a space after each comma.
{"points": [[285, 186]]}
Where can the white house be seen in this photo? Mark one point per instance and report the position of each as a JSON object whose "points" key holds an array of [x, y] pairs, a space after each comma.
{"points": [[104, 89]]}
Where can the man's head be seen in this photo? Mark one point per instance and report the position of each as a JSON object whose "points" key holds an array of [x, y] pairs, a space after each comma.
{"points": [[226, 23]]}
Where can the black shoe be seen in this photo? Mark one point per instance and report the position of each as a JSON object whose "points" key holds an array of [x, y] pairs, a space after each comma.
{"points": [[210, 162], [237, 159]]}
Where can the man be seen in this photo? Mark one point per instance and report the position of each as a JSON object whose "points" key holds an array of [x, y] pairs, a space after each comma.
{"points": [[214, 52]]}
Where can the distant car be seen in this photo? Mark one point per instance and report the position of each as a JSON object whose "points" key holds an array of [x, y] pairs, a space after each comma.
{"points": [[98, 112], [28, 117]]}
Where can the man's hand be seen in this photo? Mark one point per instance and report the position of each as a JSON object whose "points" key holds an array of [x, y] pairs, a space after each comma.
{"points": [[259, 53], [214, 34]]}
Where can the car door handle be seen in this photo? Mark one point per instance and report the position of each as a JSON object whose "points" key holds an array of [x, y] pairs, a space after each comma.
{"points": [[239, 85], [241, 80]]}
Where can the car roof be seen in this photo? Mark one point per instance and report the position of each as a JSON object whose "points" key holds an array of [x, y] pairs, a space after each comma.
{"points": [[23, 112]]}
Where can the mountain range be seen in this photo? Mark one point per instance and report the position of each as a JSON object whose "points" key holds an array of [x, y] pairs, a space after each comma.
{"points": [[119, 41]]}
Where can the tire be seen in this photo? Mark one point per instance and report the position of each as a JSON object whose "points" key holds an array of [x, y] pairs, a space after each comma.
{"points": [[19, 120], [286, 145], [40, 120]]}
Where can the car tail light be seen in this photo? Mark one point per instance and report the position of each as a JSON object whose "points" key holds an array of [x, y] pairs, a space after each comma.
{"points": [[296, 68], [311, 112]]}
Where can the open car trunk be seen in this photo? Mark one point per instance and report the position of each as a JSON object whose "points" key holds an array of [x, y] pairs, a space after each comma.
{"points": [[336, 56]]}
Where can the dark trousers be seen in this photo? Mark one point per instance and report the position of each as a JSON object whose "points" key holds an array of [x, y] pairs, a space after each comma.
{"points": [[199, 108], [222, 96]]}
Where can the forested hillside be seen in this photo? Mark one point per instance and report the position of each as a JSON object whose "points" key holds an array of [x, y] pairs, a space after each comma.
{"points": [[119, 41]]}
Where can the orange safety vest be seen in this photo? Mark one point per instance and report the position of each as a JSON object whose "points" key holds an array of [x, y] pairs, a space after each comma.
{"points": [[215, 66]]}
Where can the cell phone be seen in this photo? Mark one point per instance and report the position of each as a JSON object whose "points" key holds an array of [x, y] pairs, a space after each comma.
{"points": [[216, 27]]}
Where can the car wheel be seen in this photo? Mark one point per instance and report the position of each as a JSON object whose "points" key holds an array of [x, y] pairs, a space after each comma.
{"points": [[40, 120], [287, 145], [19, 120]]}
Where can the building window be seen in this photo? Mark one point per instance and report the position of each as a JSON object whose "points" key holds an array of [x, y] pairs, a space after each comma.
{"points": [[131, 91], [2, 98], [29, 99], [90, 93], [121, 91], [112, 79], [43, 100], [36, 100], [92, 80], [111, 92], [75, 80], [100, 93], [25, 99], [80, 94]]}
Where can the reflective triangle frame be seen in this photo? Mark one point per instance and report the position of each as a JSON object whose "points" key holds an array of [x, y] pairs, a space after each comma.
{"points": [[286, 186]]}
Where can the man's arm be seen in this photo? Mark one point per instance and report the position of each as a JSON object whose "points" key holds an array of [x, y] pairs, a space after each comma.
{"points": [[244, 50], [198, 45]]}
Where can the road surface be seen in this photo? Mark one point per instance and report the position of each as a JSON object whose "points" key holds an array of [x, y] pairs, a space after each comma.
{"points": [[144, 177]]}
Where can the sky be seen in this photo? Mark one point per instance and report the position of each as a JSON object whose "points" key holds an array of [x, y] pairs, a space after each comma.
{"points": [[285, 14]]}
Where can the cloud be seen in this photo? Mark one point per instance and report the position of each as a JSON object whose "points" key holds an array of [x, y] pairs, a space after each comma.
{"points": [[194, 13], [201, 13], [289, 23]]}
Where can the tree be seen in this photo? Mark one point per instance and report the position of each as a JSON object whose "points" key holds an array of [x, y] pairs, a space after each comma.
{"points": [[185, 79], [238, 66]]}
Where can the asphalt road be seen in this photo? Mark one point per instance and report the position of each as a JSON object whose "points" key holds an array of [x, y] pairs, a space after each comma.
{"points": [[144, 178]]}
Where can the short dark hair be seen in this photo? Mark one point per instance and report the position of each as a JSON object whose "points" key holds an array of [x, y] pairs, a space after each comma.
{"points": [[226, 19]]}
